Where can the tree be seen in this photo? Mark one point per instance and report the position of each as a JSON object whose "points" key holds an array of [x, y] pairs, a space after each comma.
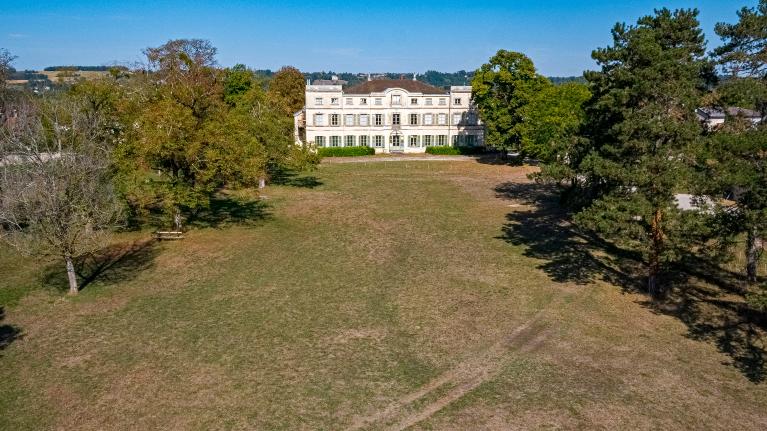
{"points": [[501, 89], [634, 150], [55, 192], [288, 88], [744, 52], [6, 60], [551, 120], [237, 82]]}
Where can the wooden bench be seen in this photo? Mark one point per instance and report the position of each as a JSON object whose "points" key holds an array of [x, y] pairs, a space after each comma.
{"points": [[161, 235]]}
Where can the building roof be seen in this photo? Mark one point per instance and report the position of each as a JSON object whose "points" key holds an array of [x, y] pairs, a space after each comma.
{"points": [[381, 85], [714, 113]]}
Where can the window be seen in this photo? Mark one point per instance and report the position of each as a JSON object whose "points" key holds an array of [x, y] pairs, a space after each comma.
{"points": [[413, 101], [335, 141], [378, 101], [320, 141], [413, 141], [442, 140], [349, 101], [349, 119], [471, 140], [442, 101], [349, 140], [364, 120], [378, 141], [318, 100], [458, 140], [428, 119], [396, 99], [442, 119], [427, 141], [457, 101], [456, 118], [334, 119], [428, 101], [364, 101], [395, 119], [378, 119], [395, 140], [363, 141], [472, 118], [319, 119], [334, 100], [414, 119]]}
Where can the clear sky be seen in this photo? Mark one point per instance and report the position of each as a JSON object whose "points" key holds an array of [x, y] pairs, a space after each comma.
{"points": [[343, 36]]}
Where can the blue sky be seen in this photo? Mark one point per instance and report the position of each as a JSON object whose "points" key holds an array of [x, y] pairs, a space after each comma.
{"points": [[353, 36]]}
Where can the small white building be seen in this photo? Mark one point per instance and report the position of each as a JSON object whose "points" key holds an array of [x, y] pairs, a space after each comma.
{"points": [[390, 115], [714, 118]]}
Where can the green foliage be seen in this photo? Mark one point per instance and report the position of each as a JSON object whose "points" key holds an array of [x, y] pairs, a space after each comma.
{"points": [[744, 52], [640, 131], [345, 151], [453, 151], [237, 82], [551, 119], [287, 89], [502, 88]]}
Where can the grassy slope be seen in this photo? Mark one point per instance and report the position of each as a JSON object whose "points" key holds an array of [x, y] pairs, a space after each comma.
{"points": [[385, 297]]}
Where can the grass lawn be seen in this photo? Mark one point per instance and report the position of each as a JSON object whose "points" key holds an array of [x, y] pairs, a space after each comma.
{"points": [[418, 295]]}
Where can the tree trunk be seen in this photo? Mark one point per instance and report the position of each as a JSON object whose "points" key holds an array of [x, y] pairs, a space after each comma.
{"points": [[177, 221], [653, 287], [73, 289], [261, 182], [753, 252]]}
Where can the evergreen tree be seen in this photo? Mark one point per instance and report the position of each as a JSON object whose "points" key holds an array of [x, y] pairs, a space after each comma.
{"points": [[633, 155]]}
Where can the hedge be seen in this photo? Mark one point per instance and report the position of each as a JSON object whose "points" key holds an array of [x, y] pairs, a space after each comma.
{"points": [[453, 151], [345, 151]]}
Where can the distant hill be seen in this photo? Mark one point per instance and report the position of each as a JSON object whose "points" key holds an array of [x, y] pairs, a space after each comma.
{"points": [[83, 68]]}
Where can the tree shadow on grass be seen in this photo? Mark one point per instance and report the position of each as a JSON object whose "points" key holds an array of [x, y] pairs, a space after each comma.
{"points": [[111, 265], [292, 178], [8, 333], [227, 209], [706, 297]]}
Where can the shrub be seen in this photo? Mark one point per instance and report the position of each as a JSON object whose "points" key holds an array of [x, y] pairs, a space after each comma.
{"points": [[453, 151], [345, 151]]}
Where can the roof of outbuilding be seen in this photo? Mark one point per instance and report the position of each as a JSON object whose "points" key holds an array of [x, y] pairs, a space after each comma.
{"points": [[380, 85]]}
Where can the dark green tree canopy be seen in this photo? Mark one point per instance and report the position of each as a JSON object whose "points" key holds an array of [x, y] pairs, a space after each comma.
{"points": [[744, 52]]}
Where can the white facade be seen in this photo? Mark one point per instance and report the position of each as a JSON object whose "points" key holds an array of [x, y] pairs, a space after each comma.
{"points": [[390, 116]]}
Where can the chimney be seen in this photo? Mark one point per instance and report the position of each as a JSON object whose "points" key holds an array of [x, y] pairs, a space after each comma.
{"points": [[369, 77], [414, 77]]}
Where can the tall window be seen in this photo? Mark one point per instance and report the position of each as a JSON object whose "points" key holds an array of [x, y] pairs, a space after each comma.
{"points": [[364, 141], [396, 99], [427, 141], [378, 101], [349, 140], [428, 101], [395, 140], [378, 141], [442, 140], [334, 100], [395, 119], [364, 120], [413, 141], [318, 101], [349, 119], [471, 140], [428, 119], [456, 118], [457, 101], [335, 141], [413, 101], [334, 119], [442, 119], [319, 119], [414, 119], [442, 101], [320, 141], [363, 101], [378, 119]]}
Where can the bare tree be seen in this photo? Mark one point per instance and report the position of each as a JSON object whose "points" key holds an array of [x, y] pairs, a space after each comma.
{"points": [[5, 66], [55, 192]]}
